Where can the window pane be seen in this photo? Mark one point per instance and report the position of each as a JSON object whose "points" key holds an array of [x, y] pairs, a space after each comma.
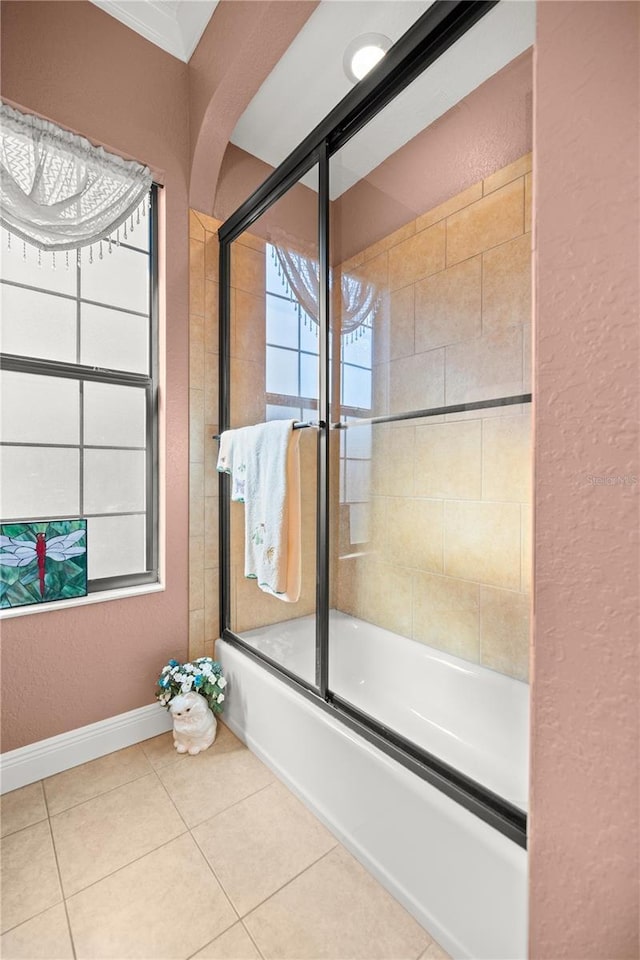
{"points": [[308, 335], [114, 481], [282, 371], [275, 283], [116, 546], [282, 322], [356, 387], [114, 340], [358, 442], [276, 412], [39, 482], [37, 325], [308, 376], [120, 279], [358, 352], [114, 415], [15, 266], [39, 409]]}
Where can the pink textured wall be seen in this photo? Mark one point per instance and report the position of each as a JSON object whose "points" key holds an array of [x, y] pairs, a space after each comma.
{"points": [[235, 55], [78, 66], [584, 862]]}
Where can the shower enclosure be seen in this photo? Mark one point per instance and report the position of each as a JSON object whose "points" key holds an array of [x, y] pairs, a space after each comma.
{"points": [[375, 289]]}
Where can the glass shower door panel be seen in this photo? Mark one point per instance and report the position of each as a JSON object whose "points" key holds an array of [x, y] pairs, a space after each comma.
{"points": [[274, 376], [430, 446]]}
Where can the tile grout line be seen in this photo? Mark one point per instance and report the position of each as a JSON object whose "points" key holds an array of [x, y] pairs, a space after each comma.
{"points": [[248, 933], [103, 793], [62, 891], [295, 877]]}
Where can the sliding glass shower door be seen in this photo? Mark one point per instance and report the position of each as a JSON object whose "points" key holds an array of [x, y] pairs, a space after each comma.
{"points": [[273, 375]]}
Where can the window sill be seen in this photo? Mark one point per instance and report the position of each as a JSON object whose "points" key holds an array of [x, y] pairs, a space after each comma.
{"points": [[120, 593]]}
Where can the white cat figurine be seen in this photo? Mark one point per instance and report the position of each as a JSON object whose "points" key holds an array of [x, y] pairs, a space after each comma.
{"points": [[194, 725]]}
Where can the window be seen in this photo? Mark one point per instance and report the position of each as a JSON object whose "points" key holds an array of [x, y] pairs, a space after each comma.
{"points": [[78, 386], [292, 352]]}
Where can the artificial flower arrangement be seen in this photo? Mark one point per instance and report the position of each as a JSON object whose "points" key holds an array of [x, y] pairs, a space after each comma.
{"points": [[203, 676]]}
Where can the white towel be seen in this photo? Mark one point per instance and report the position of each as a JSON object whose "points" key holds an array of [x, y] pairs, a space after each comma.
{"points": [[264, 464]]}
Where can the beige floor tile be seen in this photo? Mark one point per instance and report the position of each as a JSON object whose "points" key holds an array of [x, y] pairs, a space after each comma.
{"points": [[233, 944], [100, 836], [21, 808], [166, 905], [45, 937], [160, 750], [335, 909], [89, 780], [434, 952], [29, 877], [261, 843], [212, 781]]}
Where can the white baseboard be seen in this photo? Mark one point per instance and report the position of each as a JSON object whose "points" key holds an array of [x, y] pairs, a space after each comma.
{"points": [[46, 757]]}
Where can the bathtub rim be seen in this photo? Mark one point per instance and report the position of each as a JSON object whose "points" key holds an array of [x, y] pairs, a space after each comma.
{"points": [[488, 806]]}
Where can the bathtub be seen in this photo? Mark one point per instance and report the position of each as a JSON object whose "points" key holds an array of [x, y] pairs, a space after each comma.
{"points": [[464, 881]]}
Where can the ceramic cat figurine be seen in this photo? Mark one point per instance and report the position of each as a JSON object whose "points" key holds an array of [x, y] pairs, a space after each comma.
{"points": [[194, 725]]}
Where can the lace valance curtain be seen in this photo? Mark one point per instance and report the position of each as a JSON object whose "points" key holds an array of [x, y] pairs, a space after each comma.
{"points": [[60, 192], [360, 298]]}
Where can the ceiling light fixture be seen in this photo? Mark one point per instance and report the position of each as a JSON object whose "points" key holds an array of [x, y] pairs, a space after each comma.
{"points": [[363, 53]]}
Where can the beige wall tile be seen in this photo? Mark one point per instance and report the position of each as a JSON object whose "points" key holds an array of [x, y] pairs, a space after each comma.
{"points": [[196, 365], [196, 230], [381, 341], [392, 462], [448, 306], [461, 200], [416, 383], [196, 634], [482, 542], [252, 241], [211, 388], [527, 549], [402, 233], [528, 201], [209, 648], [518, 168], [387, 596], [527, 360], [196, 426], [414, 533], [486, 223], [504, 631], [249, 327], [29, 875], [88, 780], [488, 367], [402, 324], [248, 270], [211, 448], [448, 460], [21, 808], [248, 393], [210, 224], [196, 499], [374, 271], [211, 329], [446, 615], [133, 910], [506, 284], [211, 528], [211, 605], [196, 573], [45, 937], [506, 458], [417, 257], [196, 277], [211, 256]]}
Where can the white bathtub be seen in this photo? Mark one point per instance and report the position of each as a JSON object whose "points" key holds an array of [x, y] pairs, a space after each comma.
{"points": [[462, 879]]}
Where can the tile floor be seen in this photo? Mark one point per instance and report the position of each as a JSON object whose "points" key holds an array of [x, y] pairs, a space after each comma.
{"points": [[145, 853]]}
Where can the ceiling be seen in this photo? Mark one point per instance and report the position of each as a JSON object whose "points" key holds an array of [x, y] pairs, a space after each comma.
{"points": [[173, 25], [309, 80]]}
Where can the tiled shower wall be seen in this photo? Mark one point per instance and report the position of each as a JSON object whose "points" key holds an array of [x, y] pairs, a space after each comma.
{"points": [[448, 557], [250, 607]]}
